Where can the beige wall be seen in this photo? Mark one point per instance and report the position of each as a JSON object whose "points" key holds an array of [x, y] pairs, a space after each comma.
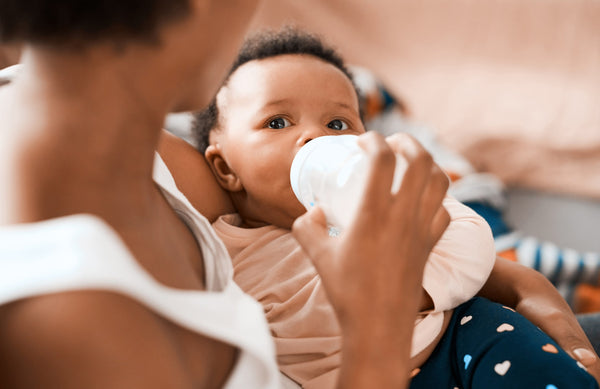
{"points": [[512, 84]]}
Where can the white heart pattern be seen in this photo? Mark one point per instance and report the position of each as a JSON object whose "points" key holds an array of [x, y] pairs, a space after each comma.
{"points": [[465, 319], [505, 327], [502, 368]]}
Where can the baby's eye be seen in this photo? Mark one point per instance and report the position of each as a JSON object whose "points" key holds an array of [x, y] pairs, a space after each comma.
{"points": [[279, 123], [338, 124]]}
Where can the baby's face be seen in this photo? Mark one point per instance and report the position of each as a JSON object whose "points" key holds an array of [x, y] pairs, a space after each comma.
{"points": [[268, 110]]}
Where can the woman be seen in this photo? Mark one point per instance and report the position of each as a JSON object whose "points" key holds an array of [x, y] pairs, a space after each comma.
{"points": [[111, 279]]}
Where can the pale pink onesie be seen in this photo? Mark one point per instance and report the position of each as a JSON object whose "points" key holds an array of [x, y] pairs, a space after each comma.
{"points": [[270, 266]]}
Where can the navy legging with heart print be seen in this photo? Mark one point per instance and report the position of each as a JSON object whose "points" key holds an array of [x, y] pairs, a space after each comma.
{"points": [[489, 346]]}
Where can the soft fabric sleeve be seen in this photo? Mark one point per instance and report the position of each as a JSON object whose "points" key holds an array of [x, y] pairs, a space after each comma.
{"points": [[462, 260]]}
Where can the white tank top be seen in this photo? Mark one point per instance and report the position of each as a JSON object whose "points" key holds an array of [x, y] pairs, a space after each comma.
{"points": [[83, 252]]}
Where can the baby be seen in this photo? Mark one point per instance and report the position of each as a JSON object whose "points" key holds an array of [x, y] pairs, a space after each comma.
{"points": [[284, 90]]}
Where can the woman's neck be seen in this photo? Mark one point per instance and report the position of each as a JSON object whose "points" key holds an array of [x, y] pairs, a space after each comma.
{"points": [[82, 128]]}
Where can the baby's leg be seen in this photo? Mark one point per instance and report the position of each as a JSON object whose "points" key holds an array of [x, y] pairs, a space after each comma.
{"points": [[489, 346]]}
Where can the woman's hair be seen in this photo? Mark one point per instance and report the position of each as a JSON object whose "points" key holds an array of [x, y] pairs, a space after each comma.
{"points": [[65, 23], [263, 45]]}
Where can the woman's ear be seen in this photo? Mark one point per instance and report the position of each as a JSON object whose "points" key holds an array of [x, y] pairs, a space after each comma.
{"points": [[225, 176]]}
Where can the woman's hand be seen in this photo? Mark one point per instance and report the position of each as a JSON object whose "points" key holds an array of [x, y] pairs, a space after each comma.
{"points": [[373, 271], [533, 296]]}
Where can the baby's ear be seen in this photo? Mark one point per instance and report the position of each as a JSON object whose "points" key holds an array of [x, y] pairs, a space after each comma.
{"points": [[225, 176]]}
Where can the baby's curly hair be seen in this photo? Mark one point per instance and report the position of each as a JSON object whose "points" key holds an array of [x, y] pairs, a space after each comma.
{"points": [[263, 45]]}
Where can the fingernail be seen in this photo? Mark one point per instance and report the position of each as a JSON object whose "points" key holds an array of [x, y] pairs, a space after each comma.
{"points": [[585, 356]]}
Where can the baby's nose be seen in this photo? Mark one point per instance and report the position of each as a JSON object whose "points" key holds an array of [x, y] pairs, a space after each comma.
{"points": [[310, 134]]}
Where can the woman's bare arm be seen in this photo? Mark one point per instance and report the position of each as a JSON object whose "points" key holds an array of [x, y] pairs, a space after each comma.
{"points": [[193, 177], [375, 268]]}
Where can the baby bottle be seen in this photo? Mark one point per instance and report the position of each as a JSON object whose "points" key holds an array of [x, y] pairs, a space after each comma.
{"points": [[331, 171]]}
